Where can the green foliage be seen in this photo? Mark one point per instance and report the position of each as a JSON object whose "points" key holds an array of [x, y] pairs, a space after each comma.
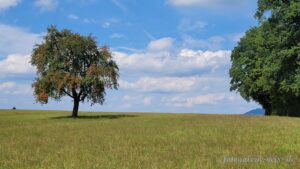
{"points": [[69, 64], [266, 62]]}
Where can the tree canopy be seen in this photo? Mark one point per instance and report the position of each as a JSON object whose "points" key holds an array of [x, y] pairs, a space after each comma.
{"points": [[69, 64], [266, 62]]}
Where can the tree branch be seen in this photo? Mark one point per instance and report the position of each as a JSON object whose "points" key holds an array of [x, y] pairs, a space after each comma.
{"points": [[81, 91], [83, 97], [67, 93]]}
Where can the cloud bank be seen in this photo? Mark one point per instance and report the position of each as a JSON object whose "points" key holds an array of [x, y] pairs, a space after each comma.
{"points": [[5, 4], [16, 64], [46, 5], [187, 3], [17, 40]]}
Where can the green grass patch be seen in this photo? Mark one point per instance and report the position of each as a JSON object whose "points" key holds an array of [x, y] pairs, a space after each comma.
{"points": [[50, 139]]}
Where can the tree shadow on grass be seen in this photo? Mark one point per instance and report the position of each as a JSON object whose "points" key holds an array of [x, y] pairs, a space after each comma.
{"points": [[114, 116]]}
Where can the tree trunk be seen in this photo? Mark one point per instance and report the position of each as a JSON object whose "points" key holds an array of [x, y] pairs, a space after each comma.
{"points": [[268, 109], [75, 108]]}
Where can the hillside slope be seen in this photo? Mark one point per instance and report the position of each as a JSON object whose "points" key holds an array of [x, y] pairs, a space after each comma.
{"points": [[256, 112]]}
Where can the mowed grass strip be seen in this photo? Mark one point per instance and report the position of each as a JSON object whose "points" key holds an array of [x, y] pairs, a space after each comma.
{"points": [[50, 139]]}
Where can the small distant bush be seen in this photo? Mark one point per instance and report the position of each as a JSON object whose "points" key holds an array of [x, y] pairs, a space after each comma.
{"points": [[14, 108]]}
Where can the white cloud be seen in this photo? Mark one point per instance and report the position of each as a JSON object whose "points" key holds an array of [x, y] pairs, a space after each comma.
{"points": [[73, 17], [17, 40], [212, 43], [168, 84], [163, 57], [127, 49], [162, 44], [235, 37], [187, 25], [187, 3], [89, 21], [116, 36], [180, 76], [109, 22], [163, 62], [5, 4], [6, 85], [46, 5], [137, 99], [16, 64], [15, 89], [181, 101], [119, 5], [147, 100], [149, 35], [106, 25], [160, 84]]}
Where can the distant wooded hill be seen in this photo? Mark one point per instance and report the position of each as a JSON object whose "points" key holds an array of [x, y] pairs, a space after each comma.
{"points": [[256, 112]]}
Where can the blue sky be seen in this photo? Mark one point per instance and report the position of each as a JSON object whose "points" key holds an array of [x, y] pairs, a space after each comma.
{"points": [[174, 55]]}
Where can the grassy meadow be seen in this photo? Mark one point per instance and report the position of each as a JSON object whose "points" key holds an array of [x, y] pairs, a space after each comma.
{"points": [[51, 140]]}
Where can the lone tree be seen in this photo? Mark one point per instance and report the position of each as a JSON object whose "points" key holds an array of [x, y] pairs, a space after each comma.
{"points": [[266, 62], [69, 64]]}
